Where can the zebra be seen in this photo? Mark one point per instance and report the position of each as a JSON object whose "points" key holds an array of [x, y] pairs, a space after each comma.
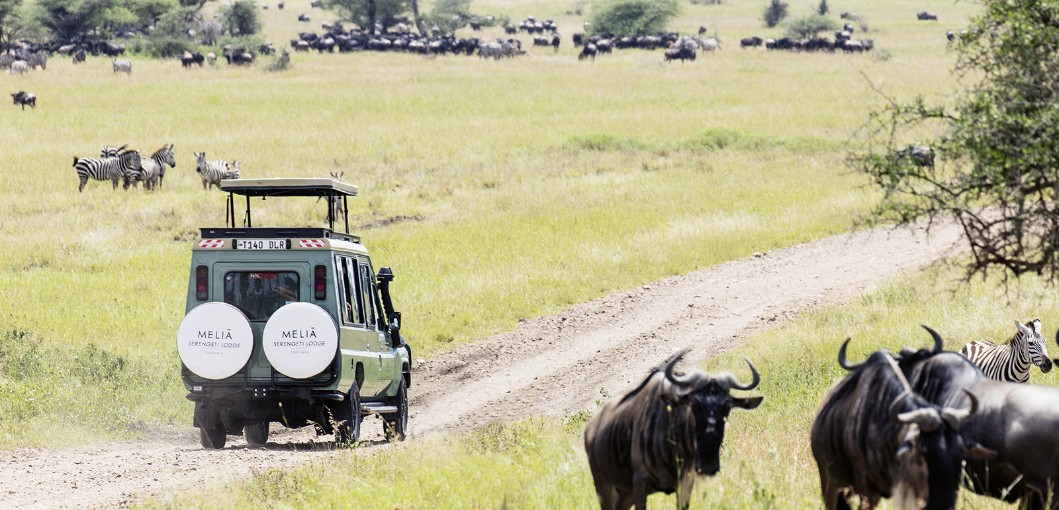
{"points": [[109, 151], [122, 65], [103, 169], [1011, 360], [79, 56], [18, 67], [212, 172], [152, 169]]}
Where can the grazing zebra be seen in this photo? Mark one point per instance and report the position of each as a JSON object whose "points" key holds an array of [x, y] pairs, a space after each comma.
{"points": [[18, 67], [1011, 361], [103, 169], [109, 151], [212, 172], [152, 169], [123, 65]]}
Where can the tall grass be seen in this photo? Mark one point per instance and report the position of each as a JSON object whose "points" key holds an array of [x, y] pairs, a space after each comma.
{"points": [[765, 463], [496, 190]]}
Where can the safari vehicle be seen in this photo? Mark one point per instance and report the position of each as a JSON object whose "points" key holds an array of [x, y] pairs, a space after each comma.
{"points": [[290, 325]]}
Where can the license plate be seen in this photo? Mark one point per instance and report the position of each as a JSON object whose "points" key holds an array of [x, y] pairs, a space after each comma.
{"points": [[262, 244]]}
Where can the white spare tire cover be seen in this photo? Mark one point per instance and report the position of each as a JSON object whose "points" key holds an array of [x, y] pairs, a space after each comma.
{"points": [[215, 340], [300, 340]]}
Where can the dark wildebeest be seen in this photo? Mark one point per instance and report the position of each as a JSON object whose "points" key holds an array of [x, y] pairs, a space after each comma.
{"points": [[927, 16], [588, 51], [751, 42], [650, 439], [1018, 421], [188, 59], [23, 98], [920, 155], [876, 437]]}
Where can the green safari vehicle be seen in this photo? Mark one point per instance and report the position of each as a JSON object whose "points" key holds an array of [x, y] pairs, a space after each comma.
{"points": [[290, 325]]}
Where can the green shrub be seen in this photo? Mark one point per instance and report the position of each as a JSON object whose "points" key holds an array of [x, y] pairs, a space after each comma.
{"points": [[633, 17]]}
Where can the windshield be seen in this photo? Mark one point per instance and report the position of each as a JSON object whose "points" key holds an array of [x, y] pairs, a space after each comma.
{"points": [[259, 294]]}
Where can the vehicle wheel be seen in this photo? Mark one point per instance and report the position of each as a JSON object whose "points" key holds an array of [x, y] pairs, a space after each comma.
{"points": [[256, 434], [213, 438], [396, 425], [348, 418]]}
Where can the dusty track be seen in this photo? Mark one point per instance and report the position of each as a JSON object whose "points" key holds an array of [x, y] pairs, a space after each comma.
{"points": [[552, 365]]}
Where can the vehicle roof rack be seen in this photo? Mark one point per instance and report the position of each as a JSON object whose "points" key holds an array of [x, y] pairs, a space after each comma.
{"points": [[331, 189], [289, 187]]}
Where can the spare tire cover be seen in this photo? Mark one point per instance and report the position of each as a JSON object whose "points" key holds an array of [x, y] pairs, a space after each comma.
{"points": [[300, 340], [215, 340]]}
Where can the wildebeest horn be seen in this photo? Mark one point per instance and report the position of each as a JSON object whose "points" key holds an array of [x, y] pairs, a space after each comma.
{"points": [[754, 381], [927, 418], [122, 147], [681, 381], [958, 415], [938, 342], [844, 363]]}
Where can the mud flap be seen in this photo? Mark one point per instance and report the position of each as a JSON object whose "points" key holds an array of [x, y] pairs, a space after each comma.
{"points": [[207, 416]]}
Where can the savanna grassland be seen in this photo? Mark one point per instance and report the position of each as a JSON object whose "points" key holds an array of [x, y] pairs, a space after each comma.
{"points": [[496, 191]]}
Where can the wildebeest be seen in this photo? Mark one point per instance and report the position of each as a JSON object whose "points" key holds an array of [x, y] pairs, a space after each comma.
{"points": [[588, 51], [927, 16], [875, 436], [657, 437], [682, 53], [1018, 421], [920, 155], [188, 59], [303, 18], [23, 98], [79, 56], [751, 42]]}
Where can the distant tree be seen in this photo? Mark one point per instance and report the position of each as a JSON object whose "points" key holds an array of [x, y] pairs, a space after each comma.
{"points": [[366, 13], [775, 13], [810, 26], [240, 18], [8, 15], [994, 166], [633, 17], [69, 20], [449, 15]]}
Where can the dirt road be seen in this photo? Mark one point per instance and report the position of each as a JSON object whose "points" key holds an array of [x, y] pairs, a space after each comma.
{"points": [[552, 365]]}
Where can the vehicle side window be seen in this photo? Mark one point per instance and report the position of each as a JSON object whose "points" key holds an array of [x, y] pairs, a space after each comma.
{"points": [[366, 285], [344, 295], [377, 304], [353, 292]]}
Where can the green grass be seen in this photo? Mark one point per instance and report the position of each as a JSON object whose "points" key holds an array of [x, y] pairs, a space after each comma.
{"points": [[766, 461], [533, 183]]}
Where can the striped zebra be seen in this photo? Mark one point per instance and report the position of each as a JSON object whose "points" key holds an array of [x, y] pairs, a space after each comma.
{"points": [[122, 65], [18, 67], [212, 172], [152, 169], [109, 151], [104, 169], [1011, 360]]}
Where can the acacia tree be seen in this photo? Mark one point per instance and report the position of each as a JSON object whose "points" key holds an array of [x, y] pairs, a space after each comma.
{"points": [[996, 145], [367, 12], [774, 13], [633, 17]]}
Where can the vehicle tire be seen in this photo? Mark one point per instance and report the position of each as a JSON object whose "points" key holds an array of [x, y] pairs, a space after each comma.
{"points": [[213, 438], [256, 434], [348, 418], [396, 425]]}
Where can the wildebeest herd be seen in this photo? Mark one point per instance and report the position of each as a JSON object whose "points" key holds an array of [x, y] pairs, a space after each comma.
{"points": [[130, 167], [910, 427]]}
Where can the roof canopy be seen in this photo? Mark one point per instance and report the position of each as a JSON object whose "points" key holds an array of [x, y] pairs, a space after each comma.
{"points": [[289, 187]]}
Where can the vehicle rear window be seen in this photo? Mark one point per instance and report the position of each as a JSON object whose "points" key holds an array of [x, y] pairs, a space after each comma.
{"points": [[259, 294]]}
